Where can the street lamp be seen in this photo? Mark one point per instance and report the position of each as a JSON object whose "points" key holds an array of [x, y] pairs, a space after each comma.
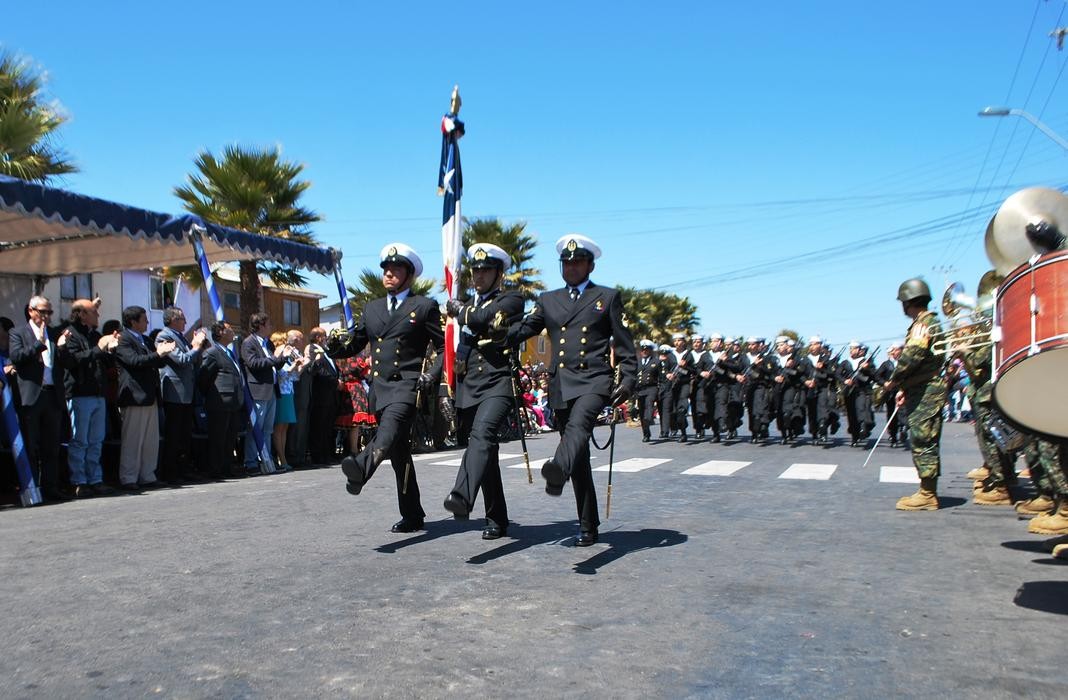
{"points": [[1007, 111]]}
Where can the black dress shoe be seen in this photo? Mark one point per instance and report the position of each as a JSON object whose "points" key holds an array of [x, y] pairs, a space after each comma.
{"points": [[554, 478], [645, 438], [586, 538], [405, 525], [355, 479], [493, 531], [455, 505], [683, 438]]}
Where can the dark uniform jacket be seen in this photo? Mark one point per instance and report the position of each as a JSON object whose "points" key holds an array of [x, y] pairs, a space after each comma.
{"points": [[219, 380], [484, 367], [685, 368], [398, 345], [84, 363], [138, 370], [579, 332], [648, 374]]}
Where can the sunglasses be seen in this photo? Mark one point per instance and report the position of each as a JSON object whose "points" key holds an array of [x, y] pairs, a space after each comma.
{"points": [[44, 312]]}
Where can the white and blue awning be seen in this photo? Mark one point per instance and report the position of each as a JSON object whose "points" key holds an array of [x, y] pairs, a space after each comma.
{"points": [[49, 231]]}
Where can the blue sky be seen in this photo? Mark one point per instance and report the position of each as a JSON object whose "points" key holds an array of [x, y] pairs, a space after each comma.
{"points": [[704, 145]]}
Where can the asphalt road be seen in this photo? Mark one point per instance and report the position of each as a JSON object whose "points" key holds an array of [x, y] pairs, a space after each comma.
{"points": [[731, 581]]}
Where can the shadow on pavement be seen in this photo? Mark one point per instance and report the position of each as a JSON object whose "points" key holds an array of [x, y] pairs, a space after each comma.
{"points": [[1035, 546], [1044, 596], [620, 543], [950, 502], [434, 530]]}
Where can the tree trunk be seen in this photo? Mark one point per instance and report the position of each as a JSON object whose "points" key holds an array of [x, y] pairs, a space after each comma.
{"points": [[251, 293]]}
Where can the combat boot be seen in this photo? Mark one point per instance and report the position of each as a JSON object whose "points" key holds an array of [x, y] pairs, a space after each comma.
{"points": [[993, 496], [1055, 523], [924, 499], [1035, 506], [979, 473]]}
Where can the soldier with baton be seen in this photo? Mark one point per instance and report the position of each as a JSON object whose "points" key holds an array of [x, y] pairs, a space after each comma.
{"points": [[484, 386], [581, 318]]}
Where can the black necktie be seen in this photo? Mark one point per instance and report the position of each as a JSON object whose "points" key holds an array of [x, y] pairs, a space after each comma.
{"points": [[392, 304], [574, 293]]}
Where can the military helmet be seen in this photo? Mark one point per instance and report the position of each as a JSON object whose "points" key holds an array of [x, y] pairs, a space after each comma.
{"points": [[911, 289]]}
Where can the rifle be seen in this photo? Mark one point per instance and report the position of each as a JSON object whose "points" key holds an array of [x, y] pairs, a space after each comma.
{"points": [[867, 358]]}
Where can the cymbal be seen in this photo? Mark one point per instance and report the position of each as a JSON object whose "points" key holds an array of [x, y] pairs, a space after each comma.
{"points": [[1007, 243]]}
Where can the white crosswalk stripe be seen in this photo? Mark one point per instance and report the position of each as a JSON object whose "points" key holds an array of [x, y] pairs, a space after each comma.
{"points": [[459, 460], [433, 455], [717, 468], [898, 475], [820, 472], [634, 464]]}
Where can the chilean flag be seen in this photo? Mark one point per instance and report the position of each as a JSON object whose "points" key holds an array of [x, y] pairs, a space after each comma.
{"points": [[450, 186]]}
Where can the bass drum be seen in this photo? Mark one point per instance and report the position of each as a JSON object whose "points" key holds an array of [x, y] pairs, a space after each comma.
{"points": [[1031, 345]]}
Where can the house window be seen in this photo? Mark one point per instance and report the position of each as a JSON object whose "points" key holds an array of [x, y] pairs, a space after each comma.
{"points": [[161, 292], [541, 344], [231, 300], [73, 287], [291, 312]]}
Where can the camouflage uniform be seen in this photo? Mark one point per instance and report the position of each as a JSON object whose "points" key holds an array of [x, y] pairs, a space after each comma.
{"points": [[918, 374], [1047, 472], [980, 394]]}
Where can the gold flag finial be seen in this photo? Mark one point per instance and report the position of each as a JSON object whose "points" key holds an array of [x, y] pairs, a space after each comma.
{"points": [[455, 102]]}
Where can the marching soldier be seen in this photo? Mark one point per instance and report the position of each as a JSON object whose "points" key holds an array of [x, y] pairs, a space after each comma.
{"points": [[789, 391], [719, 381], [399, 328], [1049, 510], [735, 365], [666, 362], [681, 375], [998, 472], [758, 378], [647, 385], [921, 391], [886, 398], [817, 368], [699, 404], [581, 318], [485, 392], [857, 375]]}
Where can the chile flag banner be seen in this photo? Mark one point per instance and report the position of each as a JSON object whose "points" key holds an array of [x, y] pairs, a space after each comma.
{"points": [[450, 187]]}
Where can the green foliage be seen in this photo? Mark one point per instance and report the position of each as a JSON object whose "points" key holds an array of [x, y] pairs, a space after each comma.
{"points": [[252, 189], [656, 315], [28, 125], [513, 238], [369, 286]]}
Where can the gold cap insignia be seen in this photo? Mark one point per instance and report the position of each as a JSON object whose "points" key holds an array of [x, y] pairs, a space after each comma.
{"points": [[480, 254], [392, 251], [572, 245]]}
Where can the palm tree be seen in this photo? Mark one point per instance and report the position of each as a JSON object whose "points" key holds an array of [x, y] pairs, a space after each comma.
{"points": [[255, 190], [653, 314], [369, 286], [516, 242], [28, 125]]}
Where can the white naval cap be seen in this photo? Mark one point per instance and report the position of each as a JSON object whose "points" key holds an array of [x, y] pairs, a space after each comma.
{"points": [[782, 339], [481, 254], [855, 344], [791, 342], [752, 339], [715, 336], [574, 245], [646, 343], [678, 336], [815, 339], [664, 347], [399, 252], [896, 346]]}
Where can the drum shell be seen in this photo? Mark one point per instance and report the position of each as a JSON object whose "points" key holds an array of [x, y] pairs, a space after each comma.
{"points": [[1031, 367]]}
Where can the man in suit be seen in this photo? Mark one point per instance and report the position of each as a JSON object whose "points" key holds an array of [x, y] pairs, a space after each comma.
{"points": [[219, 378], [40, 395], [484, 386], [399, 328], [583, 321], [261, 361], [178, 377], [647, 386], [138, 392], [323, 375], [85, 356]]}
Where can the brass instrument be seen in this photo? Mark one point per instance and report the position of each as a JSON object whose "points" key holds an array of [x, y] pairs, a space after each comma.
{"points": [[968, 320]]}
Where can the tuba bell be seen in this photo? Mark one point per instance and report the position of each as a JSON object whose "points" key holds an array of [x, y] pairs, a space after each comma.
{"points": [[968, 320]]}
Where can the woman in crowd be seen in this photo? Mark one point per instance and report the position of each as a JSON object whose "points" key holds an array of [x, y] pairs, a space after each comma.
{"points": [[286, 412], [355, 415]]}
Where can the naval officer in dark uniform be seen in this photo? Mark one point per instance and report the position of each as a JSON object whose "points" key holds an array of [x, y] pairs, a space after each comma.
{"points": [[484, 389], [581, 319], [399, 328], [648, 385]]}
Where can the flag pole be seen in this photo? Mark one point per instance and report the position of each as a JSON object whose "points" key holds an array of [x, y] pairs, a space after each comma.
{"points": [[450, 187]]}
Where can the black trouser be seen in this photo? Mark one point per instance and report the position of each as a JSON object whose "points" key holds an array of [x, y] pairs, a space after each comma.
{"points": [[297, 433], [321, 431], [663, 401], [575, 423], [859, 415], [819, 411], [646, 403], [223, 427], [680, 405], [792, 410], [41, 425], [759, 413], [721, 398], [177, 440], [480, 467], [699, 405], [394, 435], [894, 429]]}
